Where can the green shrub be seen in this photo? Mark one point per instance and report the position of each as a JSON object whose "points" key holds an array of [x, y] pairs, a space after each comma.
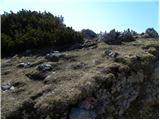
{"points": [[30, 29]]}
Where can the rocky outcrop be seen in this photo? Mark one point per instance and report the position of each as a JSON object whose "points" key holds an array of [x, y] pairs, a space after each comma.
{"points": [[110, 53], [152, 33], [7, 87], [88, 34], [115, 37], [24, 65], [127, 36], [44, 67], [111, 37], [55, 56]]}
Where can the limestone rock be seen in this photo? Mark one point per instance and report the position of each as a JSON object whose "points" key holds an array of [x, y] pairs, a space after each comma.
{"points": [[88, 34], [152, 33], [24, 65], [44, 67], [111, 37], [115, 37], [110, 53], [55, 56], [7, 87], [126, 36]]}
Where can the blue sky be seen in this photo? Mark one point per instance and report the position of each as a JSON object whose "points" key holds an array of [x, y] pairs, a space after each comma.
{"points": [[98, 15]]}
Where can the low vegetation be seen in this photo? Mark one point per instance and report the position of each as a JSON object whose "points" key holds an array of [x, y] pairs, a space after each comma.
{"points": [[30, 29]]}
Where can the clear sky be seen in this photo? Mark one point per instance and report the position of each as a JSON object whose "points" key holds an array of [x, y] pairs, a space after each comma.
{"points": [[98, 15]]}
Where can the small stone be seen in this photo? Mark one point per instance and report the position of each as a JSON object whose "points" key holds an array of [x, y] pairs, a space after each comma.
{"points": [[55, 56], [7, 87], [12, 88], [44, 67], [48, 76], [24, 65], [110, 53]]}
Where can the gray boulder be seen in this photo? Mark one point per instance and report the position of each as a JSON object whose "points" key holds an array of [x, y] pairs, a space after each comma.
{"points": [[24, 65], [55, 56], [126, 36], [152, 33], [44, 67], [89, 43], [110, 53], [6, 87], [88, 34], [115, 37], [111, 37]]}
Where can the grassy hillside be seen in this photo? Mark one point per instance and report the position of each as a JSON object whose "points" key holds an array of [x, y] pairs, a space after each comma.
{"points": [[124, 87]]}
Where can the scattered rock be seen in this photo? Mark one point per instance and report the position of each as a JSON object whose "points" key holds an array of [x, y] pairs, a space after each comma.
{"points": [[35, 63], [126, 36], [111, 37], [93, 47], [55, 56], [89, 43], [88, 34], [152, 33], [115, 37], [24, 65], [44, 67], [119, 88], [7, 87], [110, 53]]}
